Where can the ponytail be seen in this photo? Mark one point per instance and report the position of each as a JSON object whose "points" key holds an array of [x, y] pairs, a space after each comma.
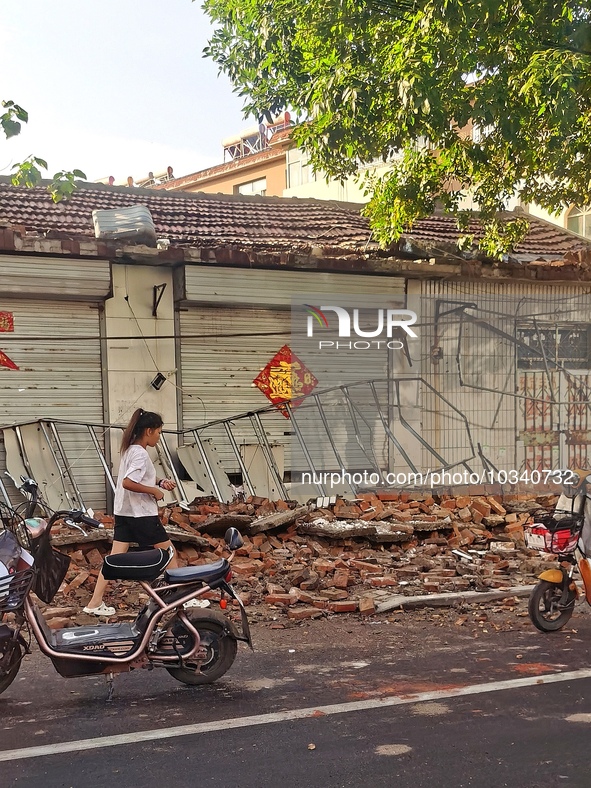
{"points": [[141, 421]]}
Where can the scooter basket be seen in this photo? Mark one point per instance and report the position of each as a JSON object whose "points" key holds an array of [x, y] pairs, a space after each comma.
{"points": [[562, 529], [14, 589]]}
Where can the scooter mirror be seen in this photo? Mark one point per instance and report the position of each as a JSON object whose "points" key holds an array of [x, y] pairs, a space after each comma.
{"points": [[233, 538], [28, 485]]}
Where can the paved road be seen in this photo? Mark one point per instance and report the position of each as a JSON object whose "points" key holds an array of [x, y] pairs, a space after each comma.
{"points": [[252, 733]]}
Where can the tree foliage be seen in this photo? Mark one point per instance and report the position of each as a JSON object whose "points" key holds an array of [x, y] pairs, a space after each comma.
{"points": [[402, 81], [28, 172]]}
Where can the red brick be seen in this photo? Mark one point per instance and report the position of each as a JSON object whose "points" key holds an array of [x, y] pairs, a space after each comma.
{"points": [[388, 496], [347, 512], [346, 606], [206, 508], [382, 582], [301, 613], [267, 507], [256, 500], [245, 567], [281, 599], [364, 566], [80, 578], [77, 556], [322, 565], [496, 505], [302, 596], [274, 588], [369, 516], [480, 505], [371, 497], [367, 606], [341, 579], [94, 558]]}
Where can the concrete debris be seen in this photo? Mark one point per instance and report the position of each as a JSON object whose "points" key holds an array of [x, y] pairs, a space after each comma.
{"points": [[378, 552], [277, 520], [451, 599]]}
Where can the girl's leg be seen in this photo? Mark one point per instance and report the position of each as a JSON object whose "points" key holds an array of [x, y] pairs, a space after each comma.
{"points": [[101, 583], [165, 545]]}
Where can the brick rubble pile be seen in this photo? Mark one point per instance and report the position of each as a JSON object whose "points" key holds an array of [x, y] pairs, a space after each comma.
{"points": [[331, 555]]}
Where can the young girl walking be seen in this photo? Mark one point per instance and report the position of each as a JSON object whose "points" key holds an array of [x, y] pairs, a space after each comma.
{"points": [[136, 499]]}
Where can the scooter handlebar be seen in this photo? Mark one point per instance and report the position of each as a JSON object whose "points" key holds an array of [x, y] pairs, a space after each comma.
{"points": [[78, 516]]}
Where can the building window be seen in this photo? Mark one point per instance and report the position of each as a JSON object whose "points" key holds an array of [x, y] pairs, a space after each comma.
{"points": [[252, 187], [294, 174], [579, 221], [480, 133], [299, 172]]}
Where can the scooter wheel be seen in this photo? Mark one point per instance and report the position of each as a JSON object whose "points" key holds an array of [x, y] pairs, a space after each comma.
{"points": [[543, 609], [8, 672], [218, 650]]}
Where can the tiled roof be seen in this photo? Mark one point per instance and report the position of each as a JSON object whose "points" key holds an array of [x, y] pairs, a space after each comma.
{"points": [[543, 239], [260, 223], [192, 219]]}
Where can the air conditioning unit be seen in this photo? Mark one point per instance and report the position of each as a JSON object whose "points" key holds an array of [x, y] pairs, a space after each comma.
{"points": [[133, 224]]}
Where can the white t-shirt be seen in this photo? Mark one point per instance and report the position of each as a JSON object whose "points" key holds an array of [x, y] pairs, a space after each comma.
{"points": [[137, 466]]}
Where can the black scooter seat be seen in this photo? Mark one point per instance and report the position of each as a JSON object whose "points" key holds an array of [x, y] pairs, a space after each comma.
{"points": [[140, 565], [209, 573]]}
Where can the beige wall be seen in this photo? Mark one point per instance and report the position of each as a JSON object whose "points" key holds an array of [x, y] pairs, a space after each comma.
{"points": [[132, 362], [273, 171], [301, 182]]}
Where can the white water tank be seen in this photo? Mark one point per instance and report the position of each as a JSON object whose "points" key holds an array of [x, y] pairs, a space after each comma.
{"points": [[133, 224]]}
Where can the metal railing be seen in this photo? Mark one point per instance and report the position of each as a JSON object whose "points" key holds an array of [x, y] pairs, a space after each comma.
{"points": [[365, 424]]}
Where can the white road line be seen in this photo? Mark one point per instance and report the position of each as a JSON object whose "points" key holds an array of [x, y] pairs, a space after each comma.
{"points": [[284, 716]]}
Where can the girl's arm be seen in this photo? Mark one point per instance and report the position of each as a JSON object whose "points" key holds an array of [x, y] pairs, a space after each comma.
{"points": [[156, 492]]}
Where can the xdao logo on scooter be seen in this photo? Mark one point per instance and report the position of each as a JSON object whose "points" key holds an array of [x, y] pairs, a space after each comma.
{"points": [[386, 321]]}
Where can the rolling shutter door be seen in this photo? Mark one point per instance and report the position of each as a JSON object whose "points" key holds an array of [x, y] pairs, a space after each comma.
{"points": [[56, 346], [233, 325], [222, 351]]}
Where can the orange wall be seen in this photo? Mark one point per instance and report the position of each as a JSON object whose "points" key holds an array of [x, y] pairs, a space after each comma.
{"points": [[273, 171]]}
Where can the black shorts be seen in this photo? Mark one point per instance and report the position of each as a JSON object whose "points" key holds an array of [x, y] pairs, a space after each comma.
{"points": [[146, 531]]}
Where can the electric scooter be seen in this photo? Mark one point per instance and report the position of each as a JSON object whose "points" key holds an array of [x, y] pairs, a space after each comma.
{"points": [[196, 646], [566, 532]]}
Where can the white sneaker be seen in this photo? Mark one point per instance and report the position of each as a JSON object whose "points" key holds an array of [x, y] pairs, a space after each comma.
{"points": [[197, 603], [101, 610]]}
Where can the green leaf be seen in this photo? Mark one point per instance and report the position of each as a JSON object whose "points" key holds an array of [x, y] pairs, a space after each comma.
{"points": [[11, 127]]}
